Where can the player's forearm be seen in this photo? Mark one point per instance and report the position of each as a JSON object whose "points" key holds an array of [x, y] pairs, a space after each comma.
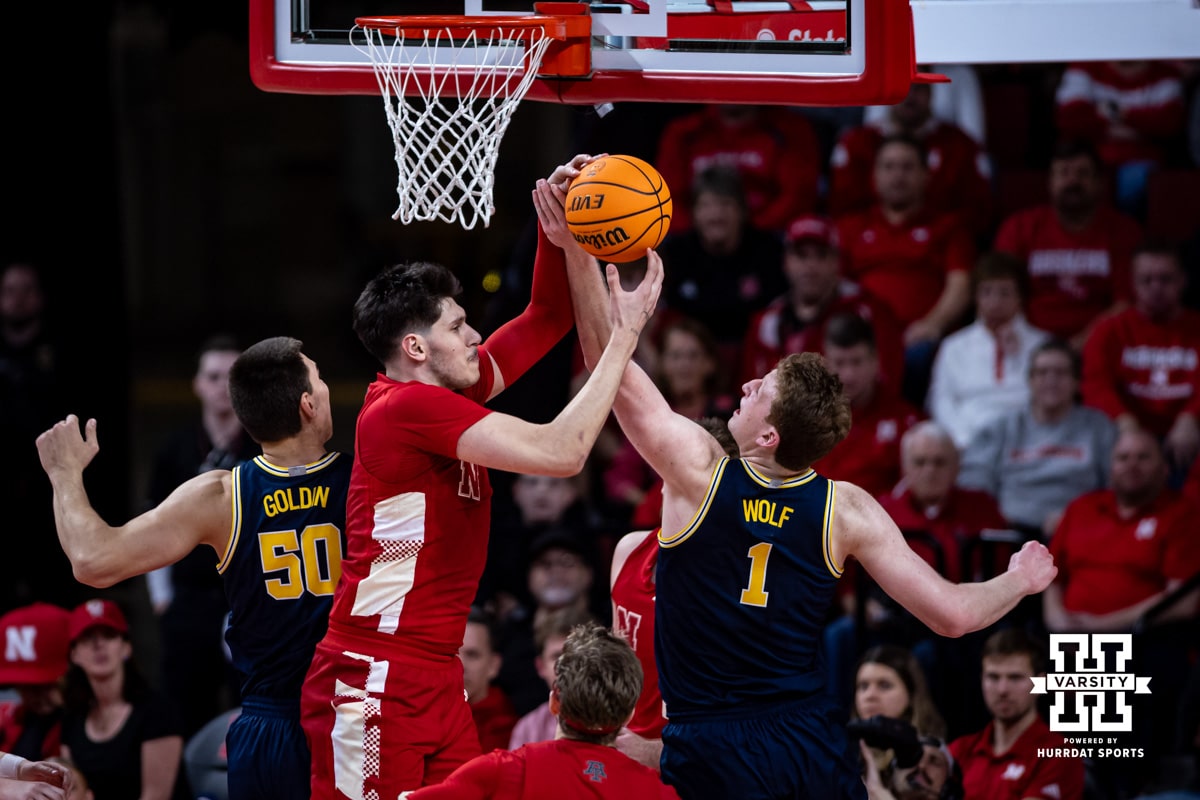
{"points": [[573, 432], [82, 532], [974, 606], [589, 298]]}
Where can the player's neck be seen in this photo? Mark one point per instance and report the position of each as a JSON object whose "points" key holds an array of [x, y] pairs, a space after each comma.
{"points": [[767, 466], [294, 452]]}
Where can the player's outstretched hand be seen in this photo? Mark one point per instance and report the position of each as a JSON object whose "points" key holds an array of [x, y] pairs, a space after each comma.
{"points": [[631, 310], [563, 174], [548, 202], [1035, 565], [63, 449]]}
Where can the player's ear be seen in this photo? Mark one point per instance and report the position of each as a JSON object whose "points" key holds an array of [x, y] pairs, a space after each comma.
{"points": [[413, 346], [769, 437], [555, 704]]}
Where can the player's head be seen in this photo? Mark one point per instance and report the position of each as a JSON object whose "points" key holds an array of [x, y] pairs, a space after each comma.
{"points": [[597, 681], [1011, 658], [900, 172], [277, 390], [797, 412], [405, 301], [1139, 471], [211, 381], [851, 354]]}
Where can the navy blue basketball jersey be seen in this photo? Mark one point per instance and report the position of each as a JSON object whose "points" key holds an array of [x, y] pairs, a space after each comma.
{"points": [[743, 592], [283, 563]]}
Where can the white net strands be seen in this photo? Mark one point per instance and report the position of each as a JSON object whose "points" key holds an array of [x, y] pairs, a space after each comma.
{"points": [[447, 135]]}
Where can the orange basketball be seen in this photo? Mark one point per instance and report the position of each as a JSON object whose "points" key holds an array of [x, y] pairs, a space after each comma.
{"points": [[618, 207]]}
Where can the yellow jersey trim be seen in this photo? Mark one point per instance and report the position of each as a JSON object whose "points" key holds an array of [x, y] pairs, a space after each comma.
{"points": [[683, 535], [283, 472], [235, 528], [763, 480], [827, 532]]}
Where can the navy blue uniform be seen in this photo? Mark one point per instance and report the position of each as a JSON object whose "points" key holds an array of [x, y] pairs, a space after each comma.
{"points": [[283, 563], [742, 596]]}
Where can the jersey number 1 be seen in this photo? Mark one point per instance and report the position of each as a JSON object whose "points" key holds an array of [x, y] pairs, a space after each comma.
{"points": [[755, 594]]}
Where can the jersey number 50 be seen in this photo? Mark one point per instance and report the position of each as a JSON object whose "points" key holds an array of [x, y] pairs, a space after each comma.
{"points": [[299, 557]]}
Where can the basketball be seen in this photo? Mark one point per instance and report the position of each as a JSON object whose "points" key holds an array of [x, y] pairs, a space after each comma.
{"points": [[618, 207]]}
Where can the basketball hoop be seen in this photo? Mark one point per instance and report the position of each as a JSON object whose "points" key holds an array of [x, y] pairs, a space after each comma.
{"points": [[450, 86]]}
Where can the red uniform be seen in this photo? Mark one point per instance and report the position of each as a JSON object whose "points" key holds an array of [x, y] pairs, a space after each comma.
{"points": [[1106, 563], [1018, 774], [775, 332], [562, 769], [964, 514], [12, 727], [959, 173], [904, 265], [383, 704], [1073, 276], [1132, 365], [633, 620], [777, 155], [1093, 100], [869, 456]]}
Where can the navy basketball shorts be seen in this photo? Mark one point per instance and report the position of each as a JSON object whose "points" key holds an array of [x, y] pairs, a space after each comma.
{"points": [[797, 751], [268, 753]]}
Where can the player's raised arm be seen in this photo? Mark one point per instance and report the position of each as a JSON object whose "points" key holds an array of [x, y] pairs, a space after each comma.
{"points": [[862, 529], [677, 448], [561, 446], [198, 512]]}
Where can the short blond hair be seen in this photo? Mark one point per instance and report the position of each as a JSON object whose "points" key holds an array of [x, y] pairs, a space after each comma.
{"points": [[597, 680]]}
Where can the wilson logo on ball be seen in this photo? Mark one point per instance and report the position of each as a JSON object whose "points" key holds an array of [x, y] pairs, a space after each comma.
{"points": [[618, 208]]}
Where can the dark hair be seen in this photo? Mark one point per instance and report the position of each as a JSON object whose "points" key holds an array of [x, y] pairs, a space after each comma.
{"points": [[908, 141], [79, 697], [401, 299], [217, 343], [481, 616], [1159, 246], [994, 265], [810, 410], [722, 181], [266, 383], [719, 429], [921, 711], [1056, 345], [848, 330], [1074, 148], [598, 679], [1016, 642]]}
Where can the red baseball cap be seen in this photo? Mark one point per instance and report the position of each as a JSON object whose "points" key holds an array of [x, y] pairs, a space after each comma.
{"points": [[35, 645], [811, 228], [94, 614]]}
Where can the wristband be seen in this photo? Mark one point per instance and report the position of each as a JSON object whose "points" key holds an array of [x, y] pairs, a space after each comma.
{"points": [[10, 765]]}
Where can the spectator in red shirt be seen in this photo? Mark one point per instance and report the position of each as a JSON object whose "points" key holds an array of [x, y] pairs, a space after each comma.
{"points": [[1133, 111], [796, 321], [1142, 366], [775, 151], [34, 661], [1121, 550], [490, 707], [926, 499], [1001, 761], [1076, 249], [959, 170], [911, 257], [869, 456]]}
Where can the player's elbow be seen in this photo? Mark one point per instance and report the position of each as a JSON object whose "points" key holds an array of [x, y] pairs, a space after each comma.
{"points": [[566, 462], [90, 572], [951, 622]]}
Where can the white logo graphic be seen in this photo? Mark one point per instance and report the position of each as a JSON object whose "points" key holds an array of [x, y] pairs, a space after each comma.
{"points": [[1088, 685]]}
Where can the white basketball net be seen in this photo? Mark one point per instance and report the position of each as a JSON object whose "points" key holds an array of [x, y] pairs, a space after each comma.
{"points": [[448, 135]]}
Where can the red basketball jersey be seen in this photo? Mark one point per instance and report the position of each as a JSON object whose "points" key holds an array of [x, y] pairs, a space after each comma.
{"points": [[417, 517], [633, 620]]}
